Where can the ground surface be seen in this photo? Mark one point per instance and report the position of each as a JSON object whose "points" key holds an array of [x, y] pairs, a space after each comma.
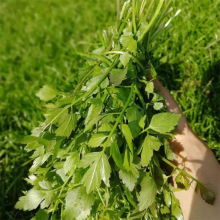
{"points": [[39, 39]]}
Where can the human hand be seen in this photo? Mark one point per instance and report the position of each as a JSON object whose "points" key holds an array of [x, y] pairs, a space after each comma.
{"points": [[196, 158]]}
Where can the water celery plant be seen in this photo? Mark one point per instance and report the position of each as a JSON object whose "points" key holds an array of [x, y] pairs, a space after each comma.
{"points": [[101, 151]]}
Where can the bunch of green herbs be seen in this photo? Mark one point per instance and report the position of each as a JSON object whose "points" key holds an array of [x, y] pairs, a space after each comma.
{"points": [[100, 152]]}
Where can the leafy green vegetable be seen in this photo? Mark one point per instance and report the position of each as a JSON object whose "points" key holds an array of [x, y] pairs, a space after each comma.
{"points": [[125, 58], [116, 155], [148, 193], [46, 93], [150, 143], [129, 178], [33, 199], [128, 136], [98, 153], [97, 139], [117, 76], [82, 203], [99, 170], [66, 126], [164, 122]]}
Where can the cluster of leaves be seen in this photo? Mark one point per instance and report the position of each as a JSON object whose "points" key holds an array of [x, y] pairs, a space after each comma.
{"points": [[100, 152]]}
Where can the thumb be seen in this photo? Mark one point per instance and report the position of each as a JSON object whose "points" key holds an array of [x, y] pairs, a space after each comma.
{"points": [[171, 104]]}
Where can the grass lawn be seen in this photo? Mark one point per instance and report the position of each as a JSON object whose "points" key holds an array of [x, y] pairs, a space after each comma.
{"points": [[39, 40]]}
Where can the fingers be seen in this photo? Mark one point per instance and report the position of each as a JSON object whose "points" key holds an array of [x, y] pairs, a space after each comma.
{"points": [[171, 104]]}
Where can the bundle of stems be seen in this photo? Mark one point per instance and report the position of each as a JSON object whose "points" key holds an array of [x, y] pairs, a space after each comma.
{"points": [[102, 150]]}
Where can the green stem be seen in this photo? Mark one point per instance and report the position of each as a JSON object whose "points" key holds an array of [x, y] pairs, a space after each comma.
{"points": [[61, 190], [85, 77], [142, 102], [95, 56], [140, 97], [131, 56], [133, 15], [100, 196], [180, 170], [119, 117], [145, 130], [142, 8], [152, 20]]}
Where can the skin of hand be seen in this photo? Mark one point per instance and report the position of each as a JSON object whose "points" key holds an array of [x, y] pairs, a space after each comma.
{"points": [[198, 160]]}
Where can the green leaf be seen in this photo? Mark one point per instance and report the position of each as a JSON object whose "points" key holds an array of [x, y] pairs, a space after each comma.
{"points": [[33, 146], [142, 122], [175, 208], [149, 88], [117, 76], [56, 149], [93, 114], [150, 143], [124, 58], [92, 82], [136, 215], [146, 154], [78, 204], [182, 181], [207, 195], [128, 159], [158, 105], [88, 159], [167, 197], [164, 210], [129, 178], [116, 155], [39, 161], [148, 193], [53, 115], [169, 153], [99, 170], [71, 162], [41, 215], [46, 93], [128, 42], [153, 142], [128, 136], [31, 200], [105, 127], [66, 126], [164, 122], [142, 28], [97, 139], [134, 115]]}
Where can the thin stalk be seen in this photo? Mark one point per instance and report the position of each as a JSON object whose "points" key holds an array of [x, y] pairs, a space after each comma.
{"points": [[133, 15], [85, 77], [100, 196], [143, 3], [131, 56], [61, 190], [147, 12], [124, 8], [119, 117], [152, 20], [118, 10], [95, 56], [140, 97], [180, 170]]}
